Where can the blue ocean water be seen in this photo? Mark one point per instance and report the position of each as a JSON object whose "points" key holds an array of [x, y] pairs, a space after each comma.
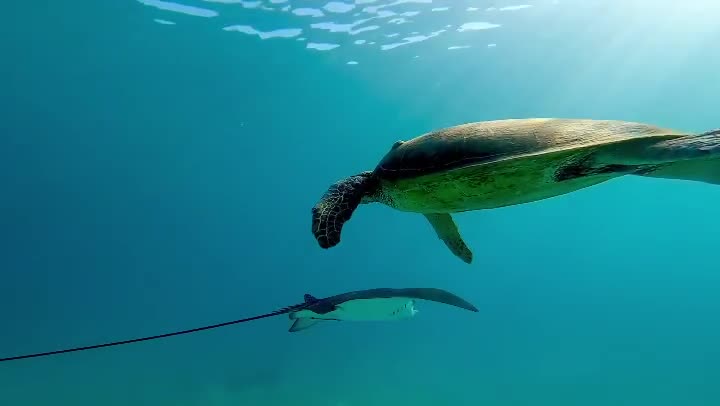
{"points": [[159, 160]]}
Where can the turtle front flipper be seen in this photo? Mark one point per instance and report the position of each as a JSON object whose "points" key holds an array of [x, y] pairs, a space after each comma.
{"points": [[447, 231], [337, 206]]}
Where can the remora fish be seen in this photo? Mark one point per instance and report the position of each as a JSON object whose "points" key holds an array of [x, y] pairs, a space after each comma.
{"points": [[369, 305]]}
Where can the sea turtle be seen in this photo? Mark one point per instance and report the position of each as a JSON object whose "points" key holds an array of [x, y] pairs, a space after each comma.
{"points": [[485, 165]]}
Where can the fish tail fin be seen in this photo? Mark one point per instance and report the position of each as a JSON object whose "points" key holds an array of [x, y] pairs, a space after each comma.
{"points": [[302, 323]]}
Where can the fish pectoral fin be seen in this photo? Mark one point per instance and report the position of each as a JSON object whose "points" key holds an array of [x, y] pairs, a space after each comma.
{"points": [[303, 323]]}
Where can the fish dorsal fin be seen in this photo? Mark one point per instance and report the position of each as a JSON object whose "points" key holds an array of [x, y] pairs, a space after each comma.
{"points": [[310, 298]]}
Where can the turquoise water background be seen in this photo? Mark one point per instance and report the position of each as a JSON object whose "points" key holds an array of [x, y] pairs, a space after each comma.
{"points": [[160, 176]]}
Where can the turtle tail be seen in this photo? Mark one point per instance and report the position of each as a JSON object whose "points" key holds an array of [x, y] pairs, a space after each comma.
{"points": [[337, 206]]}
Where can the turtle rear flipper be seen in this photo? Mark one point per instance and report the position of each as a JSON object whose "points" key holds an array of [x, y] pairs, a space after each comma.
{"points": [[337, 206], [705, 170], [448, 232], [691, 157]]}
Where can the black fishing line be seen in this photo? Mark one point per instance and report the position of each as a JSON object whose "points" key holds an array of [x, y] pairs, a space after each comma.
{"points": [[155, 337]]}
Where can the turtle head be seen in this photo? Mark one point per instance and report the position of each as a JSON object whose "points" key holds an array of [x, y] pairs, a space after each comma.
{"points": [[338, 204]]}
